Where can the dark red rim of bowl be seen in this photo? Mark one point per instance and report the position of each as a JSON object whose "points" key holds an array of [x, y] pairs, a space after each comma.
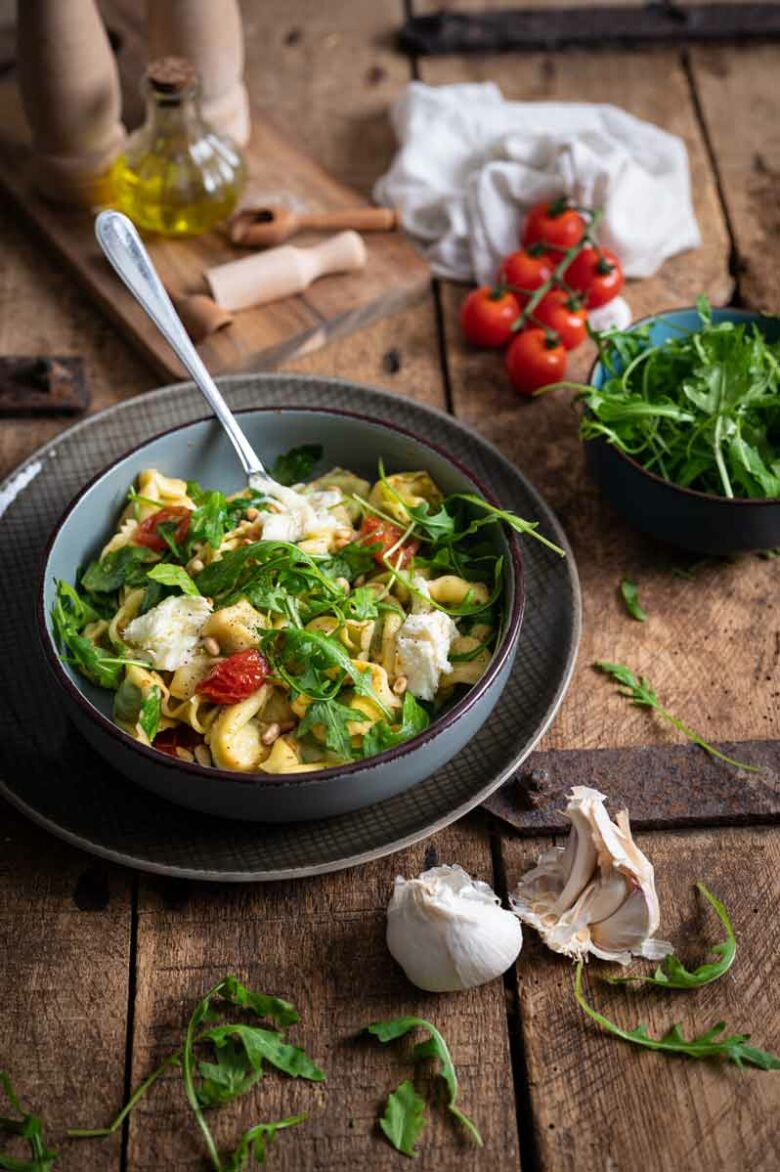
{"points": [[711, 497], [438, 726]]}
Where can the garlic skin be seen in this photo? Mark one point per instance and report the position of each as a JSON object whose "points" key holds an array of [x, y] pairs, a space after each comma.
{"points": [[449, 932], [596, 895]]}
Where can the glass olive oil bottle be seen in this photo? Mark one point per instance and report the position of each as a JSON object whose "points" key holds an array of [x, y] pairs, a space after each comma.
{"points": [[177, 175]]}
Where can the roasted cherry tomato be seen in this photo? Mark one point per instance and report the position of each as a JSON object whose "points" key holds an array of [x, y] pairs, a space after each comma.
{"points": [[554, 223], [233, 679], [564, 313], [376, 531], [528, 268], [596, 273], [486, 316], [147, 532], [535, 359], [181, 736]]}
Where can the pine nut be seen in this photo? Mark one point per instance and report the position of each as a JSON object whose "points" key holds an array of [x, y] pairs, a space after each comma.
{"points": [[271, 734], [202, 755], [184, 754], [400, 685], [196, 565], [360, 580], [344, 584], [252, 514], [211, 646]]}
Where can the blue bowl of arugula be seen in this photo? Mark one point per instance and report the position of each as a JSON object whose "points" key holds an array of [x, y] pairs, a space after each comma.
{"points": [[364, 741], [682, 427]]}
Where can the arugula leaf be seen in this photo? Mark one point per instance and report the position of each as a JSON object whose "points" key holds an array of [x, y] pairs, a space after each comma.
{"points": [[672, 973], [713, 1043], [259, 1045], [382, 736], [123, 567], [151, 711], [629, 592], [404, 1118], [170, 575], [260, 1004], [254, 1143], [435, 526], [334, 719], [27, 1127], [210, 519], [642, 695], [529, 528], [296, 465], [307, 661], [433, 1047]]}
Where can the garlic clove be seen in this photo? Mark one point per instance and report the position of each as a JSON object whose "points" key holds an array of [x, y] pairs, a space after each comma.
{"points": [[597, 895], [449, 932]]}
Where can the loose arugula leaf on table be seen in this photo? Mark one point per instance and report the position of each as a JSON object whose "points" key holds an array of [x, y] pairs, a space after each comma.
{"points": [[235, 1056], [713, 1043], [642, 695], [404, 1118], [629, 592], [27, 1127], [433, 1047], [168, 574], [672, 973], [295, 466], [254, 1142]]}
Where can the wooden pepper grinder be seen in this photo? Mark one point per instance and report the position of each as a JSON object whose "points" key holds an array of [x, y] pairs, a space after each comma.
{"points": [[70, 91], [210, 35]]}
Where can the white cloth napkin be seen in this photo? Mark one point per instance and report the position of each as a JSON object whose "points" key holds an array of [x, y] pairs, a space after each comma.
{"points": [[470, 165]]}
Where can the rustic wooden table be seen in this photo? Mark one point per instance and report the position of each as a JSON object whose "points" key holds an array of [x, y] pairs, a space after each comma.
{"points": [[99, 966]]}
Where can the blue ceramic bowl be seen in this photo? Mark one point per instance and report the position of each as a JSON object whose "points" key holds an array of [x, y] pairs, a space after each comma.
{"points": [[692, 520], [200, 451]]}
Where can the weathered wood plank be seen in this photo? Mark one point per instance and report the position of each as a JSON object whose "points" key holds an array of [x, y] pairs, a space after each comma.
{"points": [[747, 153], [601, 1103], [65, 949], [319, 943]]}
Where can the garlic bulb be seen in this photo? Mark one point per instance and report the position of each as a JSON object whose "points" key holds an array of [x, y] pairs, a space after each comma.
{"points": [[449, 932], [597, 894]]}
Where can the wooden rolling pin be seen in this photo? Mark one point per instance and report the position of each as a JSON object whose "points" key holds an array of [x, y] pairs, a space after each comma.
{"points": [[281, 272], [266, 226]]}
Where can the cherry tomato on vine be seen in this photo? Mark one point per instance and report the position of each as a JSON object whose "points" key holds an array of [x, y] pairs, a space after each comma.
{"points": [[564, 313], [376, 531], [535, 359], [528, 268], [487, 314], [148, 533], [233, 679], [597, 274], [554, 222]]}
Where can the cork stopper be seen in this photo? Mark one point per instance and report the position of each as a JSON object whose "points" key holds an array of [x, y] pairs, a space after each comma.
{"points": [[171, 75]]}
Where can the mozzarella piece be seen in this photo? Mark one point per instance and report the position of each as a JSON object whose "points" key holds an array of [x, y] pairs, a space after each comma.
{"points": [[302, 515], [170, 631], [422, 647]]}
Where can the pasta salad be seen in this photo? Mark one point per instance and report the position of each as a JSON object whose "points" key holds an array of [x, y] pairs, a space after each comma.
{"points": [[235, 635]]}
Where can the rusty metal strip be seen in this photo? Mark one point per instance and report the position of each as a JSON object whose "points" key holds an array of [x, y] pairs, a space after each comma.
{"points": [[550, 28], [661, 787]]}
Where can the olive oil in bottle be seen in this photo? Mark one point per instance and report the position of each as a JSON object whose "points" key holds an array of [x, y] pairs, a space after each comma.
{"points": [[177, 175]]}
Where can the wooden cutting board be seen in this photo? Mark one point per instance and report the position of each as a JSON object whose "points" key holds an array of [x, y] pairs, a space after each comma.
{"points": [[259, 339]]}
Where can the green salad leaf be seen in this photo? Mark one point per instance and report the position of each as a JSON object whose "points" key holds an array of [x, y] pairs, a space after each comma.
{"points": [[403, 1117], [70, 614], [296, 465], [123, 567], [713, 1043], [168, 574], [642, 695], [27, 1127], [672, 973], [384, 735], [629, 592]]}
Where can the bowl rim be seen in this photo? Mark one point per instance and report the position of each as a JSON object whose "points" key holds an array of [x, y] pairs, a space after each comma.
{"points": [[695, 494], [311, 777]]}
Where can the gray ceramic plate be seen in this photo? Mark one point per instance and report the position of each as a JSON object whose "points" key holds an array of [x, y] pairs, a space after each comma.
{"points": [[50, 773]]}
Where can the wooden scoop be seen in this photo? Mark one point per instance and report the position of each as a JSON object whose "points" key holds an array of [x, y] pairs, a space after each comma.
{"points": [[267, 226]]}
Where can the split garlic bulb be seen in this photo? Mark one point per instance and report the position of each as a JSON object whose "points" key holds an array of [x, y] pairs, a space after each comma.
{"points": [[449, 932], [597, 894]]}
